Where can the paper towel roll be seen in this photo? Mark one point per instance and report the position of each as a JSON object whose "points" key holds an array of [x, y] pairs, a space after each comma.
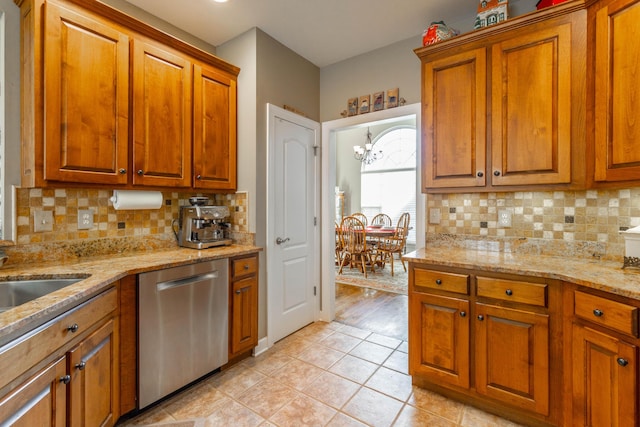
{"points": [[132, 199]]}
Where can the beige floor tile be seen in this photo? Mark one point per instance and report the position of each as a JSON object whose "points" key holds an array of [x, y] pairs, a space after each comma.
{"points": [[200, 402], [267, 397], [321, 356], [374, 353], [391, 383], [384, 341], [398, 361], [332, 389], [437, 404], [373, 408], [354, 332], [150, 416], [268, 362], [342, 420], [303, 411], [292, 345], [354, 369], [297, 374], [236, 380], [315, 331], [473, 417], [341, 342], [234, 414], [412, 417]]}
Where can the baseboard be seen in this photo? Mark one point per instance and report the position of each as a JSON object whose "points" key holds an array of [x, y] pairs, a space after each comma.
{"points": [[263, 345]]}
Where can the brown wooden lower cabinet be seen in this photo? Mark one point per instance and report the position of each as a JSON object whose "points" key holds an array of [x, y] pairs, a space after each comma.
{"points": [[537, 351], [243, 305]]}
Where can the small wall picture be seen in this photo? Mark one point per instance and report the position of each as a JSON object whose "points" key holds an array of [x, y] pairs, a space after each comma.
{"points": [[392, 98], [352, 107], [365, 100], [378, 101]]}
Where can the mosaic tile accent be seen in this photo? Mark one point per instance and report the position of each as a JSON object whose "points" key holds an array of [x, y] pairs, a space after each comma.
{"points": [[556, 218], [108, 222]]}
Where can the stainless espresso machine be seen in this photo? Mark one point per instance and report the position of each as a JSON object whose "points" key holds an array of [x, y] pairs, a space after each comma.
{"points": [[201, 226]]}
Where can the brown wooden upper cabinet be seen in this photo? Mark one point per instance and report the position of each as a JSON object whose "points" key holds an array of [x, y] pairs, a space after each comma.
{"points": [[616, 116], [504, 108], [110, 101]]}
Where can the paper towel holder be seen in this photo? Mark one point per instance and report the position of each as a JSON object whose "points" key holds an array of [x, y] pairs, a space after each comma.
{"points": [[136, 199]]}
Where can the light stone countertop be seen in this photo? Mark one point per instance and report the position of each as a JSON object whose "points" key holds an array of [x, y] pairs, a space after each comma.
{"points": [[593, 273], [101, 271]]}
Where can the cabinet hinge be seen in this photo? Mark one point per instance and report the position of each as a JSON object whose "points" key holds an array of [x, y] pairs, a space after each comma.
{"points": [[315, 220], [315, 150], [314, 291]]}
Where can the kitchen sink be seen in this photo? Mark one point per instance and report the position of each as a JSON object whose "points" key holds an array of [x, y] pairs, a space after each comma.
{"points": [[16, 292]]}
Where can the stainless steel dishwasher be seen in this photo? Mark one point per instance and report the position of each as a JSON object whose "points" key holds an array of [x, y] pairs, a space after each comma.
{"points": [[182, 328]]}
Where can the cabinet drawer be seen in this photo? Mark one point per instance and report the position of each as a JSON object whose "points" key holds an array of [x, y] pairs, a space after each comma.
{"points": [[451, 282], [612, 314], [513, 290], [28, 350], [244, 266]]}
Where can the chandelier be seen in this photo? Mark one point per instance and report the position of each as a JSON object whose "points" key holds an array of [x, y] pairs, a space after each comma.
{"points": [[366, 154]]}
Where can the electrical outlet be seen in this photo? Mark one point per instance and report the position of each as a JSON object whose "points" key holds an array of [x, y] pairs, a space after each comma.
{"points": [[434, 216], [42, 221], [85, 219], [504, 218]]}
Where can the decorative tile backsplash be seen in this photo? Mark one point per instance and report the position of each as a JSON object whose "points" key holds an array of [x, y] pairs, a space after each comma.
{"points": [[566, 217], [108, 222]]}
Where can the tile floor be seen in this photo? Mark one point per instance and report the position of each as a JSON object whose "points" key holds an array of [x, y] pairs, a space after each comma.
{"points": [[327, 374]]}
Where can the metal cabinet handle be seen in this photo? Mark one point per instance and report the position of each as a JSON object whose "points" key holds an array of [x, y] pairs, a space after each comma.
{"points": [[509, 292], [65, 379], [280, 241], [122, 171], [496, 173], [480, 174], [622, 362], [198, 177], [480, 317], [80, 366], [598, 313], [140, 172], [438, 282], [238, 292], [73, 328], [246, 266], [463, 313]]}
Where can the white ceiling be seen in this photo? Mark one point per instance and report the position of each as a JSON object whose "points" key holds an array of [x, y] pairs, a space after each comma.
{"points": [[322, 31]]}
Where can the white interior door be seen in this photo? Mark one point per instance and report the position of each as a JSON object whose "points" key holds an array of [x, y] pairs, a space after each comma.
{"points": [[292, 237]]}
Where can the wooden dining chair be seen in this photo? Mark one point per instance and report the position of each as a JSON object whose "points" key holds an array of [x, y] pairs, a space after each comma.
{"points": [[362, 217], [354, 245], [395, 244], [382, 219]]}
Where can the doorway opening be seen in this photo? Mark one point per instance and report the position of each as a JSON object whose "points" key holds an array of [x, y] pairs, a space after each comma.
{"points": [[335, 153]]}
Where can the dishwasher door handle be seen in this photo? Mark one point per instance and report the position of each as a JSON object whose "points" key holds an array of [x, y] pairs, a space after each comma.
{"points": [[171, 284]]}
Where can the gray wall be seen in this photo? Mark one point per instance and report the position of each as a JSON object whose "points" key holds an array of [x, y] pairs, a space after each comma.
{"points": [[270, 73]]}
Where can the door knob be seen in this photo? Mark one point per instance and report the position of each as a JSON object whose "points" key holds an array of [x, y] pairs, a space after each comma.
{"points": [[280, 241]]}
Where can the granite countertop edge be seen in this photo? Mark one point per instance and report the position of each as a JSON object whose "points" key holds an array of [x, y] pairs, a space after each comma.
{"points": [[608, 276], [102, 271]]}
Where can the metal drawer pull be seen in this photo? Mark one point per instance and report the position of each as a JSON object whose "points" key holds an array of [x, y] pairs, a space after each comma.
{"points": [[509, 292], [66, 379], [246, 266], [622, 362], [463, 313], [598, 313], [480, 317], [80, 366], [73, 328], [438, 282]]}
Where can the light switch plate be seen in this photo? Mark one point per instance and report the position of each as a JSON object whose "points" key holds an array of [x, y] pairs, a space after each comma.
{"points": [[85, 219], [504, 218], [42, 221], [434, 216]]}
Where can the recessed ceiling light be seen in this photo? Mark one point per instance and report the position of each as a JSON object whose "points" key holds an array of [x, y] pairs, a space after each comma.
{"points": [[220, 1]]}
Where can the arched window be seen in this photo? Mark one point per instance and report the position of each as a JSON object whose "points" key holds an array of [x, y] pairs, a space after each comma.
{"points": [[389, 183]]}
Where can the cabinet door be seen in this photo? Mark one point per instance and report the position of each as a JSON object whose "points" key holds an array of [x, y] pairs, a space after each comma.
{"points": [[40, 401], [244, 315], [214, 127], [93, 366], [439, 338], [454, 120], [531, 107], [162, 108], [512, 356], [605, 380], [86, 95], [617, 134]]}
